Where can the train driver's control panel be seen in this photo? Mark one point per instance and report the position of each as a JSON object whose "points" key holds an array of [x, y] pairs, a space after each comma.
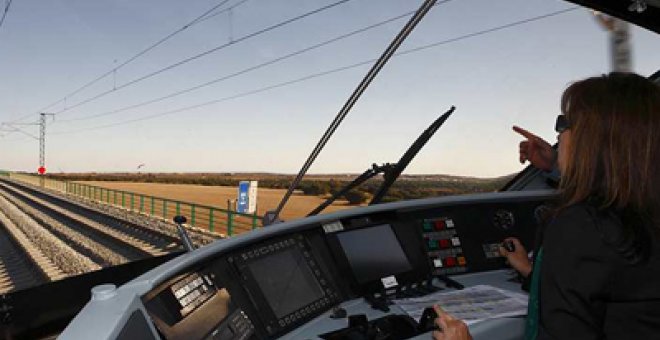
{"points": [[288, 282]]}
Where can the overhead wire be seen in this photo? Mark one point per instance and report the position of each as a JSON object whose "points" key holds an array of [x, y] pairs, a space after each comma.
{"points": [[4, 13], [244, 71], [205, 53], [324, 73], [202, 17]]}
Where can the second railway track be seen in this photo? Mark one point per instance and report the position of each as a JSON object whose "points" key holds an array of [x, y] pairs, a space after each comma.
{"points": [[46, 237]]}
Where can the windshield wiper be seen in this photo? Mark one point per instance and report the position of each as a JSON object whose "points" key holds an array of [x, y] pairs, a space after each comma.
{"points": [[368, 174], [273, 216], [390, 171], [390, 177]]}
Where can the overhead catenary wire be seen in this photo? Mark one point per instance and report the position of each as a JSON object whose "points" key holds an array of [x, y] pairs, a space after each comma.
{"points": [[202, 17], [203, 54], [320, 74], [244, 71], [4, 12]]}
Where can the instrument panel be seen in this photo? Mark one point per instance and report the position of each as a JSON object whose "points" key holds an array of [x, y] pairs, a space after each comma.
{"points": [[268, 288]]}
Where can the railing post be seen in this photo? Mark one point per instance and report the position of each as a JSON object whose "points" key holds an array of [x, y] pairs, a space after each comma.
{"points": [[230, 223], [114, 193], [165, 209], [141, 204], [211, 219], [152, 206], [178, 208], [132, 200], [192, 214], [123, 199], [254, 220]]}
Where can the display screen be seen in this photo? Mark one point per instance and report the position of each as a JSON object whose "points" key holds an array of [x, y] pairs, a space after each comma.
{"points": [[286, 281], [373, 253]]}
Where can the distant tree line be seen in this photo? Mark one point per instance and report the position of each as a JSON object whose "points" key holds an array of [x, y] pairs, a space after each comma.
{"points": [[408, 187]]}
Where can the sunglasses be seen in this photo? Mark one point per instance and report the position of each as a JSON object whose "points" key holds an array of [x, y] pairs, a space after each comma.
{"points": [[561, 124]]}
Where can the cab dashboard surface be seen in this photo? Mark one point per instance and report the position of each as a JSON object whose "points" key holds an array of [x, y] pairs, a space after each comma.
{"points": [[290, 280]]}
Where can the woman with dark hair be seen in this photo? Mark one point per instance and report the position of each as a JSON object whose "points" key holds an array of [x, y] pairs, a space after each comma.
{"points": [[597, 272]]}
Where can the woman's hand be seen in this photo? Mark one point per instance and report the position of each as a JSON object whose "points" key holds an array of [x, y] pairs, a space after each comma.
{"points": [[450, 327], [536, 150], [518, 258]]}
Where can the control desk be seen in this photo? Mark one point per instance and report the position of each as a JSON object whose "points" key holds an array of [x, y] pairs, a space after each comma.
{"points": [[289, 280]]}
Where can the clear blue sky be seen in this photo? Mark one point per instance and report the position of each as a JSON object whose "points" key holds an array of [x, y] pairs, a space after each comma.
{"points": [[512, 76]]}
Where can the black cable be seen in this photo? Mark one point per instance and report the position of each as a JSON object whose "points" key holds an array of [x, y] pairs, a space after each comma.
{"points": [[316, 75], [197, 56], [241, 72], [4, 13], [204, 16]]}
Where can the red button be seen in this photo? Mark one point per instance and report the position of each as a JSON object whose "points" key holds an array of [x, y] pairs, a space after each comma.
{"points": [[450, 261], [439, 225], [445, 243]]}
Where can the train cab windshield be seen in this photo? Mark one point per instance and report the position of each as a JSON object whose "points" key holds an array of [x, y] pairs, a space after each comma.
{"points": [[168, 200]]}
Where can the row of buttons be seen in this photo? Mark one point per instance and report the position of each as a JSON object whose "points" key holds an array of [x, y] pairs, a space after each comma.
{"points": [[267, 249], [443, 243], [187, 281], [195, 299], [303, 312], [449, 262], [192, 296], [188, 288], [242, 324], [441, 224]]}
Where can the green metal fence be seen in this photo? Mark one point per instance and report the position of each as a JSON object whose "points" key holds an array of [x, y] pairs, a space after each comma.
{"points": [[214, 219]]}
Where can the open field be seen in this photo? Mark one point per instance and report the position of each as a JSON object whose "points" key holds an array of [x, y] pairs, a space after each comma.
{"points": [[299, 205]]}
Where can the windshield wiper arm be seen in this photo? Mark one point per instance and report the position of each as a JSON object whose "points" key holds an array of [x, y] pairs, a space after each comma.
{"points": [[368, 174], [390, 171], [389, 177], [273, 216]]}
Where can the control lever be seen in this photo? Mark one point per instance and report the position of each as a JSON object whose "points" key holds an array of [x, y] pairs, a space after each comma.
{"points": [[380, 303], [427, 321], [183, 234]]}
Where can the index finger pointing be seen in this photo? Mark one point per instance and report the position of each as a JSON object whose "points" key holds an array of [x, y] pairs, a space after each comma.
{"points": [[524, 132]]}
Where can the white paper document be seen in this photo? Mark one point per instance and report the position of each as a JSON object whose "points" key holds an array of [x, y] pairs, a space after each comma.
{"points": [[471, 304]]}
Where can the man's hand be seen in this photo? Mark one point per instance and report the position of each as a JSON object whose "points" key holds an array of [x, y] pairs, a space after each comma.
{"points": [[450, 327], [536, 150], [518, 258]]}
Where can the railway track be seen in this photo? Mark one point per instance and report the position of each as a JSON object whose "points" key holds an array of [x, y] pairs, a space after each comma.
{"points": [[110, 215], [44, 237], [22, 265]]}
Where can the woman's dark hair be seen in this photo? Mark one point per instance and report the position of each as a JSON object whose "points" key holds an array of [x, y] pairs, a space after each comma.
{"points": [[614, 150]]}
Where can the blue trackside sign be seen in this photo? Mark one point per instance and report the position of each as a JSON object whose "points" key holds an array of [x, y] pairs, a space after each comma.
{"points": [[242, 203]]}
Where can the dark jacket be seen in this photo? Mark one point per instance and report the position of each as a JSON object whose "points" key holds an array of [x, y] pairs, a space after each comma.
{"points": [[589, 287]]}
